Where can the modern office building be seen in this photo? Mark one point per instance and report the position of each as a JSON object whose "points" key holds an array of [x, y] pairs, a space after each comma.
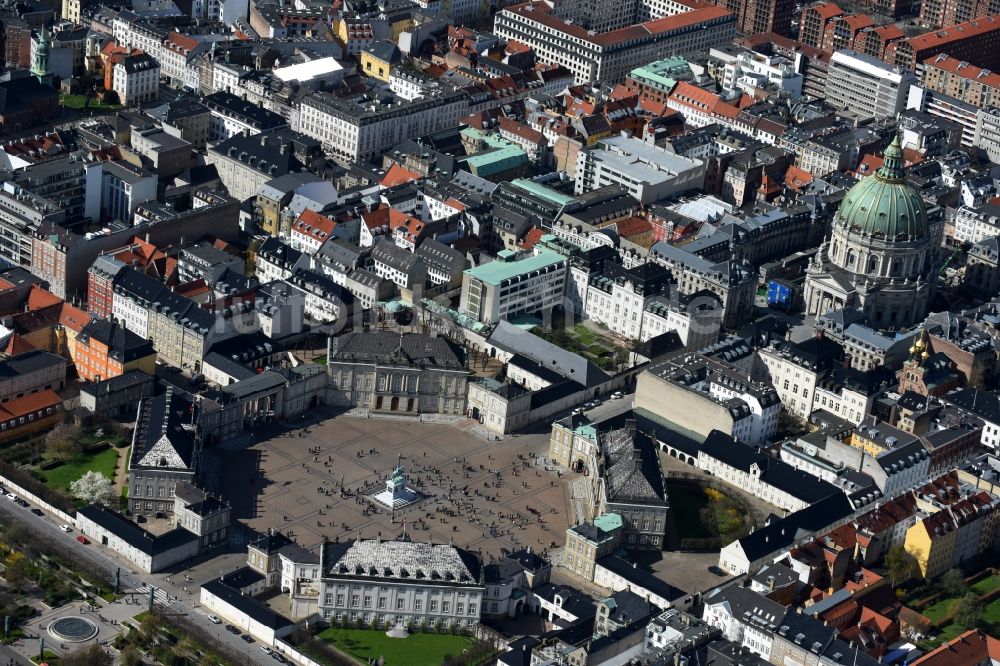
{"points": [[510, 286], [866, 86]]}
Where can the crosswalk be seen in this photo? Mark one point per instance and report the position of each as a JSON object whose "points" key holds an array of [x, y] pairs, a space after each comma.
{"points": [[159, 596]]}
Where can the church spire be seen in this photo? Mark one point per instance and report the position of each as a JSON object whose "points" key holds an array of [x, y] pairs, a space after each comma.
{"points": [[40, 61]]}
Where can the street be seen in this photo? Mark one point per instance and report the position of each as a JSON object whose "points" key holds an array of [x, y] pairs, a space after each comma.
{"points": [[174, 599]]}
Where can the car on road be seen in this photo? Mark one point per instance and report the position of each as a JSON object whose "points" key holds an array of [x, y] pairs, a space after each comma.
{"points": [[247, 638], [82, 539], [38, 512], [266, 650], [231, 629], [214, 619]]}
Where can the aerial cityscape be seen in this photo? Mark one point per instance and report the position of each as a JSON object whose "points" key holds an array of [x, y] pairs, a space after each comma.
{"points": [[488, 332]]}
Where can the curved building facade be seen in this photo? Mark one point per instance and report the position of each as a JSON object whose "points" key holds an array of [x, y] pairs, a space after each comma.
{"points": [[881, 254]]}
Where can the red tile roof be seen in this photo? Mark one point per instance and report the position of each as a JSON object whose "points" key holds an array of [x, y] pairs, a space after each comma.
{"points": [[858, 22], [314, 225], [828, 10], [398, 175], [28, 404], [39, 298], [964, 70], [520, 129], [16, 344], [868, 165], [533, 236], [414, 227], [183, 41], [797, 178], [970, 649], [376, 218], [633, 226], [514, 46], [691, 95], [890, 31], [73, 318], [954, 33]]}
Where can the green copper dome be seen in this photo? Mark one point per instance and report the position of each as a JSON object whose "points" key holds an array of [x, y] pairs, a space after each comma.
{"points": [[884, 205]]}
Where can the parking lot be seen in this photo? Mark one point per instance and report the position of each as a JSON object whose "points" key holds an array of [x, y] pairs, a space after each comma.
{"points": [[486, 495]]}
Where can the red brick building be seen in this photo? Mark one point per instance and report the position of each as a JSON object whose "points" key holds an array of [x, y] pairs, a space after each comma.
{"points": [[814, 21], [946, 13], [841, 31], [100, 285], [754, 17], [977, 42]]}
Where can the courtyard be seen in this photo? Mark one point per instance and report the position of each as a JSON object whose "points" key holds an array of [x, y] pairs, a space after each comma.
{"points": [[485, 495]]}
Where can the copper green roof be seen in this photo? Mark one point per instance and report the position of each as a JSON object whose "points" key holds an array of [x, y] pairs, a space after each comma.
{"points": [[884, 205]]}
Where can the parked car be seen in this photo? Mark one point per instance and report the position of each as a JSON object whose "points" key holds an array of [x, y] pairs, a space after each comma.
{"points": [[278, 658], [21, 502], [265, 649], [247, 638], [11, 496], [617, 395], [231, 629], [66, 528], [716, 570], [82, 539], [214, 619], [38, 512]]}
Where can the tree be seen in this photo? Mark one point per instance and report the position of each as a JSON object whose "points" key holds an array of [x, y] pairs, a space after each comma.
{"points": [[968, 610], [92, 656], [149, 624], [130, 656], [953, 583], [63, 442], [93, 488], [18, 572], [900, 565]]}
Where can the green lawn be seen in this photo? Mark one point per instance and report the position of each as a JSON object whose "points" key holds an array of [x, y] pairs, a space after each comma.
{"points": [[991, 615], [987, 585], [79, 102], [105, 462], [948, 633], [580, 339], [938, 610], [417, 650]]}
